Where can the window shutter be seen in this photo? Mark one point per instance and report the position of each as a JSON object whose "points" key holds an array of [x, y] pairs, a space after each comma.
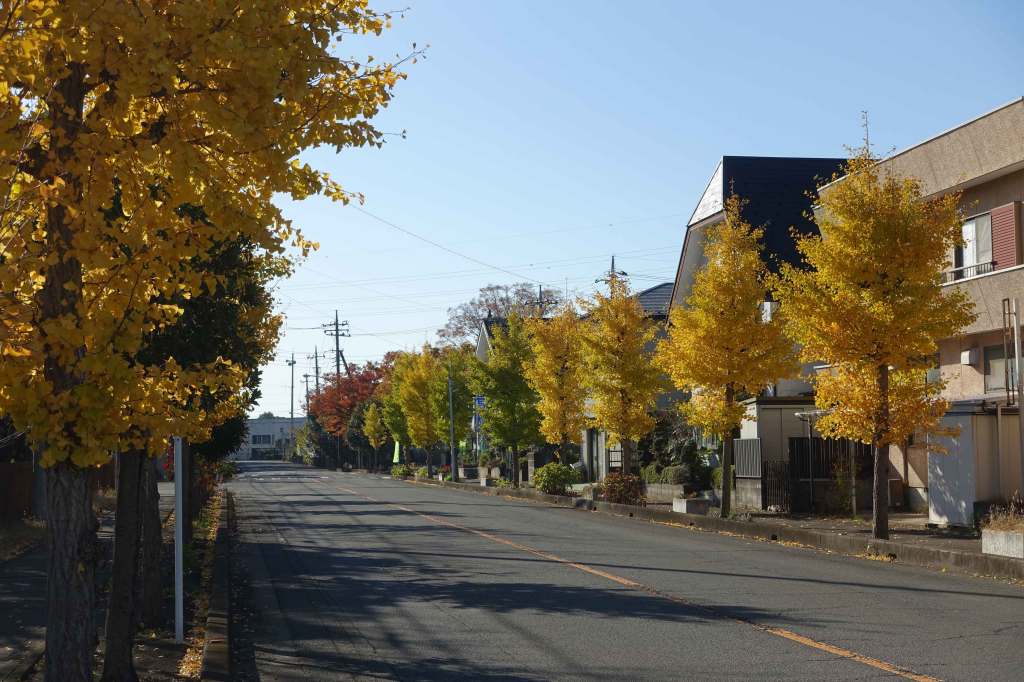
{"points": [[1006, 242]]}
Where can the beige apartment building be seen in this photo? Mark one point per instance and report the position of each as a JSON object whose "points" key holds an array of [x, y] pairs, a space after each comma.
{"points": [[984, 159]]}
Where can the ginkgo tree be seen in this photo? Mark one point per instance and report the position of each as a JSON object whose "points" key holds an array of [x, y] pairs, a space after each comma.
{"points": [[558, 372], [148, 102], [623, 381], [373, 427], [721, 344], [414, 397], [510, 415], [871, 304]]}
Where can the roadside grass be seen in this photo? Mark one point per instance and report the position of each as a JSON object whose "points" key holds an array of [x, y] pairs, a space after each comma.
{"points": [[19, 535], [104, 500], [204, 535]]}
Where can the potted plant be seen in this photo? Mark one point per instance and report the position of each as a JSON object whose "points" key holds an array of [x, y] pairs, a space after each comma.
{"points": [[690, 504], [1003, 532]]}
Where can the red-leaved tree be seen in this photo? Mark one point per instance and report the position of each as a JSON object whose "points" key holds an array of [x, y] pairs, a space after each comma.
{"points": [[340, 395]]}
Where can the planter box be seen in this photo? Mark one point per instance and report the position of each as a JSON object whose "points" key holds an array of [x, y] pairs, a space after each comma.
{"points": [[691, 506], [467, 473], [486, 482], [1003, 543]]}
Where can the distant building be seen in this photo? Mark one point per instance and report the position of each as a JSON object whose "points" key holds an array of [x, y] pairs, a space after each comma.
{"points": [[268, 437]]}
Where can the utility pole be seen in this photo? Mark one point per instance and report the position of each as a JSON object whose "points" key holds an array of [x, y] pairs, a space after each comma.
{"points": [[306, 377], [451, 424], [337, 332], [291, 417], [611, 273], [316, 364]]}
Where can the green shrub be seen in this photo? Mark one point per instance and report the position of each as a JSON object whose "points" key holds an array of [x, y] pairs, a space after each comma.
{"points": [[483, 459], [505, 483], [623, 489], [554, 478], [678, 474], [423, 472], [651, 473], [716, 478], [400, 470]]}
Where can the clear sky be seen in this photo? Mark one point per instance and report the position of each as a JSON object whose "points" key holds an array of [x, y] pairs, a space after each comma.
{"points": [[543, 137]]}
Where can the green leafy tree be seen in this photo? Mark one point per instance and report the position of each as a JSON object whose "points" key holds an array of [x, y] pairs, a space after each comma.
{"points": [[510, 414], [391, 407], [373, 428], [460, 361]]}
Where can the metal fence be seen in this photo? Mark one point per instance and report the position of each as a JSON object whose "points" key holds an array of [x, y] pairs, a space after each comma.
{"points": [[775, 486], [747, 456], [817, 458]]}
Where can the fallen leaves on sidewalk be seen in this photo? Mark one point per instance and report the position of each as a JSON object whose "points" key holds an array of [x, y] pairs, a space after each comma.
{"points": [[19, 535], [206, 530]]}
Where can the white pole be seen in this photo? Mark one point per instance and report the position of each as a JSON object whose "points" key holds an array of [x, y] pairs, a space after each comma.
{"points": [[179, 557], [1020, 382]]}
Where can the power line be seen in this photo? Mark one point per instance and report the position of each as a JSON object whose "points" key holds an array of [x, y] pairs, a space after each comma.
{"points": [[510, 236], [443, 248]]}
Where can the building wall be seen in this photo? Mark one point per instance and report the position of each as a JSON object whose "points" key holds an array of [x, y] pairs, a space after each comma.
{"points": [[967, 154], [279, 428], [965, 380]]}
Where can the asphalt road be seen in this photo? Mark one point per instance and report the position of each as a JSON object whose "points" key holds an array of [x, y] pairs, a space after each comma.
{"points": [[359, 577]]}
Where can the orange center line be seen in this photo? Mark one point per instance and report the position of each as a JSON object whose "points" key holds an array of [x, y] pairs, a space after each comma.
{"points": [[792, 636]]}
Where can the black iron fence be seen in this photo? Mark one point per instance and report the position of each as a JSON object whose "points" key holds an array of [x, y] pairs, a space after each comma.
{"points": [[818, 458], [775, 486]]}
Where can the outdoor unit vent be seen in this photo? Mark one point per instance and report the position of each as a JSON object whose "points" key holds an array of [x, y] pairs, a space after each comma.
{"points": [[969, 356]]}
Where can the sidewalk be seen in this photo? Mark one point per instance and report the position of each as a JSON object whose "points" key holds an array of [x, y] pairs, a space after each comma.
{"points": [[903, 527], [23, 594]]}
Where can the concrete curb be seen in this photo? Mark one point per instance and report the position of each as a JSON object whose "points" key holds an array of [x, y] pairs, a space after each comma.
{"points": [[217, 644], [989, 565]]}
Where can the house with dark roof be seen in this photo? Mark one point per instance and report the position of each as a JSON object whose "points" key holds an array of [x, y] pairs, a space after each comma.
{"points": [[778, 191]]}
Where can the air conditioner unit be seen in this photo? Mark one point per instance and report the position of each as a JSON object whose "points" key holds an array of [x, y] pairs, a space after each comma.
{"points": [[969, 356]]}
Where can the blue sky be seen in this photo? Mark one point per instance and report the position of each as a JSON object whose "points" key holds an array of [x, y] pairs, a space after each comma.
{"points": [[545, 137]]}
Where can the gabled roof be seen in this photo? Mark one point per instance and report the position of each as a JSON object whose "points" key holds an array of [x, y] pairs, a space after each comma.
{"points": [[776, 189], [489, 323], [712, 200], [656, 300]]}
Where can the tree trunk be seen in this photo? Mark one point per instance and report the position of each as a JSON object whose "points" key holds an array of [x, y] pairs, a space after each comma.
{"points": [[73, 548], [120, 633], [727, 475], [74, 552], [727, 446], [152, 542], [627, 457], [880, 494], [515, 464]]}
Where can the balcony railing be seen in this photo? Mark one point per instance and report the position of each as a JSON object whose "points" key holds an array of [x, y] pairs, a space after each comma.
{"points": [[969, 271]]}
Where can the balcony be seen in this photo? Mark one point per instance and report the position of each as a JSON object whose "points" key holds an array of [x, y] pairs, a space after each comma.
{"points": [[968, 271]]}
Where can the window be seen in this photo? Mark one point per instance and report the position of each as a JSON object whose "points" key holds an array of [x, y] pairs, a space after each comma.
{"points": [[995, 370], [975, 256], [258, 439], [708, 440]]}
